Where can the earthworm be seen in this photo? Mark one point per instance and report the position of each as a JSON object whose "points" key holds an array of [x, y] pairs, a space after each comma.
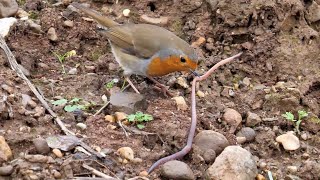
{"points": [[192, 130]]}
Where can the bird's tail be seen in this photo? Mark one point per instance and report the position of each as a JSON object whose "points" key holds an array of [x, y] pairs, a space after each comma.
{"points": [[104, 21]]}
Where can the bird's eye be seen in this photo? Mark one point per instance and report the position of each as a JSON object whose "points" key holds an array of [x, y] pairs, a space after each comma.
{"points": [[182, 59]]}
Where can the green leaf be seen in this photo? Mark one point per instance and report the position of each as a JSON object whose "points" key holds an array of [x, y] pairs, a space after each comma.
{"points": [[75, 100], [289, 116], [140, 126], [302, 114], [71, 108], [59, 102], [131, 117], [110, 84]]}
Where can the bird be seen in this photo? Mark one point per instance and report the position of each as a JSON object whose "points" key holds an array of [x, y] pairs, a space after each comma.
{"points": [[145, 49]]}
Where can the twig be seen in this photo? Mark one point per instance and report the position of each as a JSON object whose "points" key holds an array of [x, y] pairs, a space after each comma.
{"points": [[98, 173], [125, 132], [187, 148], [144, 133]]}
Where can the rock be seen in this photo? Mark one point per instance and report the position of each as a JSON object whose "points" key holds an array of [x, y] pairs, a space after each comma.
{"points": [[241, 140], [177, 170], [289, 141], [8, 8], [252, 119], [233, 163], [6, 24], [39, 111], [52, 35], [233, 118], [126, 153], [210, 140], [25, 99], [6, 170], [200, 94], [7, 88], [41, 145], [128, 102], [161, 20], [209, 156], [22, 14], [73, 71], [56, 174], [292, 169], [182, 82], [37, 158], [81, 126], [213, 4], [5, 151], [181, 103], [260, 177], [200, 41], [126, 12], [248, 133], [57, 153], [120, 116], [313, 13], [111, 127], [110, 118], [143, 173], [34, 27], [68, 23]]}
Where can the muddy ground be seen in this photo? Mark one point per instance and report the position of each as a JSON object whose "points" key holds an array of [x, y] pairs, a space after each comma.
{"points": [[280, 41]]}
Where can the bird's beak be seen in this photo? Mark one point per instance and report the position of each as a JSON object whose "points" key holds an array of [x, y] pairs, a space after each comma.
{"points": [[194, 73]]}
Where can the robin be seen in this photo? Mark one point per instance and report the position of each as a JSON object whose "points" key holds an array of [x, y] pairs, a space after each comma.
{"points": [[145, 49]]}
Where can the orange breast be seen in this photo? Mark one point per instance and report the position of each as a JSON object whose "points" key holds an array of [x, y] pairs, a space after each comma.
{"points": [[158, 67]]}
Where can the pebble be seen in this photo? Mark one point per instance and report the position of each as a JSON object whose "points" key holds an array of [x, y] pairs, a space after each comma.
{"points": [[126, 153], [181, 103], [182, 82], [161, 20], [34, 26], [119, 116], [304, 136], [6, 170], [8, 8], [200, 41], [39, 111], [126, 12], [313, 12], [41, 145], [128, 102], [6, 24], [22, 14], [43, 66], [252, 119], [200, 94], [56, 174], [246, 81], [248, 133], [211, 140], [68, 23], [73, 71], [241, 140], [111, 127], [81, 126], [5, 151], [37, 158], [233, 163], [7, 88], [177, 170], [260, 177], [52, 35], [143, 174], [25, 99], [209, 156], [289, 141], [233, 118], [110, 118], [292, 169], [57, 153]]}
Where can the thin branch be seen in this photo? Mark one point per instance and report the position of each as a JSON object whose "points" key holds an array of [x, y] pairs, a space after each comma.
{"points": [[98, 173]]}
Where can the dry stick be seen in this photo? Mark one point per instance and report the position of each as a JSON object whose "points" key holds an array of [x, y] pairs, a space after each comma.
{"points": [[98, 173], [187, 148]]}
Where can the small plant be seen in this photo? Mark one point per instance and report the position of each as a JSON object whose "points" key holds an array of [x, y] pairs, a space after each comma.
{"points": [[62, 57], [73, 104], [139, 118], [290, 117], [111, 83]]}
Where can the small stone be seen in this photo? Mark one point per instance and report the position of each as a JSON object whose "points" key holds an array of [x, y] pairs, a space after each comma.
{"points": [[125, 161], [6, 170], [39, 111], [120, 116], [200, 94], [57, 174], [52, 35], [161, 20], [209, 139], [8, 8], [32, 103], [81, 126], [248, 133], [177, 170], [25, 99], [241, 140], [126, 152], [109, 118], [200, 41], [73, 71], [262, 165], [68, 23], [233, 118], [57, 153], [182, 82], [292, 169], [137, 160], [126, 12], [181, 103], [112, 66], [252, 119], [304, 136], [128, 102], [22, 14], [43, 66], [289, 141], [7, 88], [5, 151], [37, 158], [143, 174], [34, 27], [209, 156], [313, 12], [6, 24], [33, 177], [260, 177], [111, 127], [41, 146], [233, 163], [305, 155]]}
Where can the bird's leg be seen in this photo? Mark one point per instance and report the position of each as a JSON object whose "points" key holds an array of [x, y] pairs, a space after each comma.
{"points": [[131, 84], [162, 87]]}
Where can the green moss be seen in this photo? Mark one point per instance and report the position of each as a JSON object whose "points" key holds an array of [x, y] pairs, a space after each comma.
{"points": [[315, 120], [33, 15], [176, 26], [21, 2], [95, 54]]}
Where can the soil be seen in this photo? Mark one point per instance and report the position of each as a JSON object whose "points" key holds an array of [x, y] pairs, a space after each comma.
{"points": [[280, 41]]}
